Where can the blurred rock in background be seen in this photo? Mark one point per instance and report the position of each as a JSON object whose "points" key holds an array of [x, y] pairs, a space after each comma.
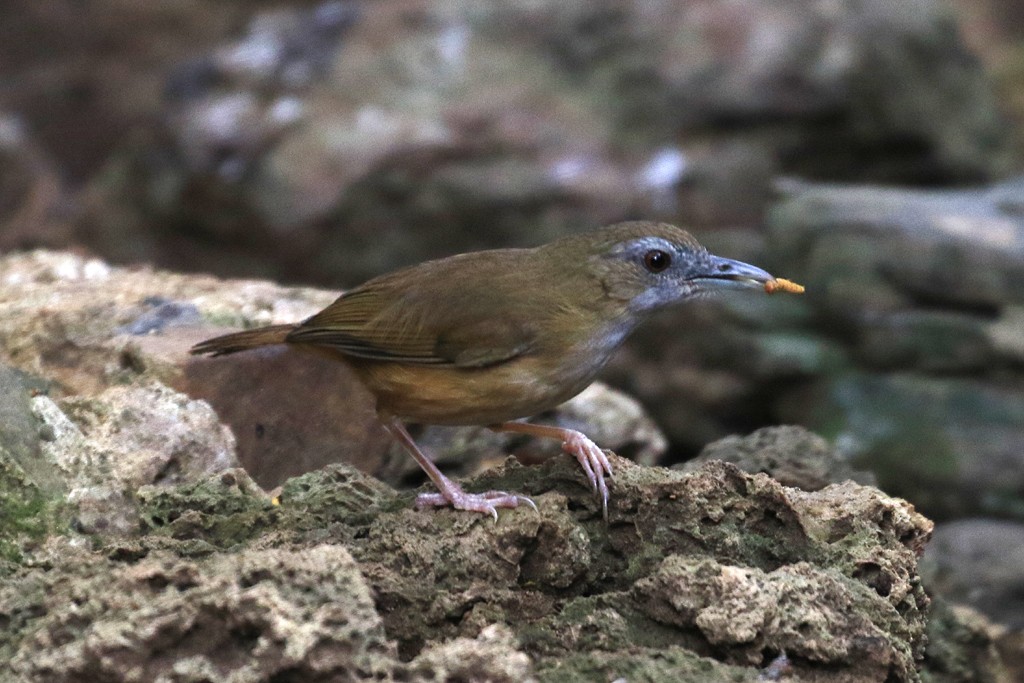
{"points": [[926, 291], [979, 562], [993, 31], [326, 142], [31, 193]]}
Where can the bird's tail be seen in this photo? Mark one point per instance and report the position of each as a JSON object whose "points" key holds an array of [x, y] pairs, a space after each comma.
{"points": [[241, 341]]}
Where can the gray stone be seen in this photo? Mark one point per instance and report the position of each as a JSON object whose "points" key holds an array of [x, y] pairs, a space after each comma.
{"points": [[791, 455], [161, 315], [928, 341], [1006, 334], [126, 438], [20, 431], [417, 129], [865, 249], [965, 647], [979, 562], [952, 445], [928, 286], [249, 616]]}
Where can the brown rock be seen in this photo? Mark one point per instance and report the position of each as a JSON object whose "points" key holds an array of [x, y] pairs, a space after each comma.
{"points": [[292, 412]]}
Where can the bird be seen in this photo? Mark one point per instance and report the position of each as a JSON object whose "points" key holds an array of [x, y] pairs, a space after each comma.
{"points": [[492, 337]]}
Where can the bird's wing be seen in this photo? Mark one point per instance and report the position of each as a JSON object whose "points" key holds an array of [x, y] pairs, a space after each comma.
{"points": [[414, 326]]}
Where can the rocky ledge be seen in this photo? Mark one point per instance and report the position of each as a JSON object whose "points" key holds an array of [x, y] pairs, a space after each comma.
{"points": [[133, 547]]}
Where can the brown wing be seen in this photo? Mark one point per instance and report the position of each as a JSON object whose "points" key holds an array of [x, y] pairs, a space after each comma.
{"points": [[440, 319]]}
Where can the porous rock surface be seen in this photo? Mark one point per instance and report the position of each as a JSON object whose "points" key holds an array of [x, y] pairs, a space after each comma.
{"points": [[201, 575], [715, 571]]}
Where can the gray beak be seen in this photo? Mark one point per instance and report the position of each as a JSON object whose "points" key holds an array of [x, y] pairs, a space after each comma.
{"points": [[729, 274]]}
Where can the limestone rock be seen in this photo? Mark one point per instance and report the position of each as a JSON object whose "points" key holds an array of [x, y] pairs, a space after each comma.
{"points": [[708, 574], [791, 455], [254, 616], [126, 438], [924, 287]]}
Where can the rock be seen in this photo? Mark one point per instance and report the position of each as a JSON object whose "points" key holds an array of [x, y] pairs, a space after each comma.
{"points": [[125, 438], [228, 107], [706, 371], [78, 67], [212, 510], [31, 191], [251, 616], [328, 144], [660, 591], [979, 562], [28, 514], [928, 341], [20, 430], [1007, 332], [989, 29], [159, 437], [872, 250], [32, 490], [798, 609], [1011, 648], [963, 647], [75, 321], [162, 314], [924, 289], [85, 326], [948, 444], [491, 656], [603, 621], [791, 455], [665, 663], [293, 412]]}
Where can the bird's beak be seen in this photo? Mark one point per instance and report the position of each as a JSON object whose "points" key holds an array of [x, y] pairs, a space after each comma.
{"points": [[729, 274]]}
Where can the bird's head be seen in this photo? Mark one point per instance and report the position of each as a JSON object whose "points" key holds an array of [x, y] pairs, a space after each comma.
{"points": [[649, 265]]}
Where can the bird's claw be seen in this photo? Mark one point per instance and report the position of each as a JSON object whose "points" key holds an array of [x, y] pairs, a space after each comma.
{"points": [[487, 502], [594, 462]]}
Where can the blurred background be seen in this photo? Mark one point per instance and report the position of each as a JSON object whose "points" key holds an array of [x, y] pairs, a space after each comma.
{"points": [[868, 149]]}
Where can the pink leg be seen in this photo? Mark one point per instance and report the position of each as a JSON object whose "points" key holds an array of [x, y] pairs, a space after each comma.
{"points": [[450, 492], [592, 459]]}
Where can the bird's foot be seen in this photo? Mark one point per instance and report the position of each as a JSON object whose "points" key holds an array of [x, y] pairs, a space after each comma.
{"points": [[592, 459], [449, 493], [594, 462], [487, 502]]}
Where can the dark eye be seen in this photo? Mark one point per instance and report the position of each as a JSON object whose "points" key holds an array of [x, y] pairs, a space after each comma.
{"points": [[657, 260]]}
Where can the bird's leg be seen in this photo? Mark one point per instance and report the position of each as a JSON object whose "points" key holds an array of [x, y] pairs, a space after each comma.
{"points": [[592, 459], [450, 493]]}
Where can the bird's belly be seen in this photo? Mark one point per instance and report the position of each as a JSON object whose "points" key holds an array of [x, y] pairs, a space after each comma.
{"points": [[477, 396]]}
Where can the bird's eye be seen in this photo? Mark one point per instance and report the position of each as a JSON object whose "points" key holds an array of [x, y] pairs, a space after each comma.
{"points": [[657, 260]]}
